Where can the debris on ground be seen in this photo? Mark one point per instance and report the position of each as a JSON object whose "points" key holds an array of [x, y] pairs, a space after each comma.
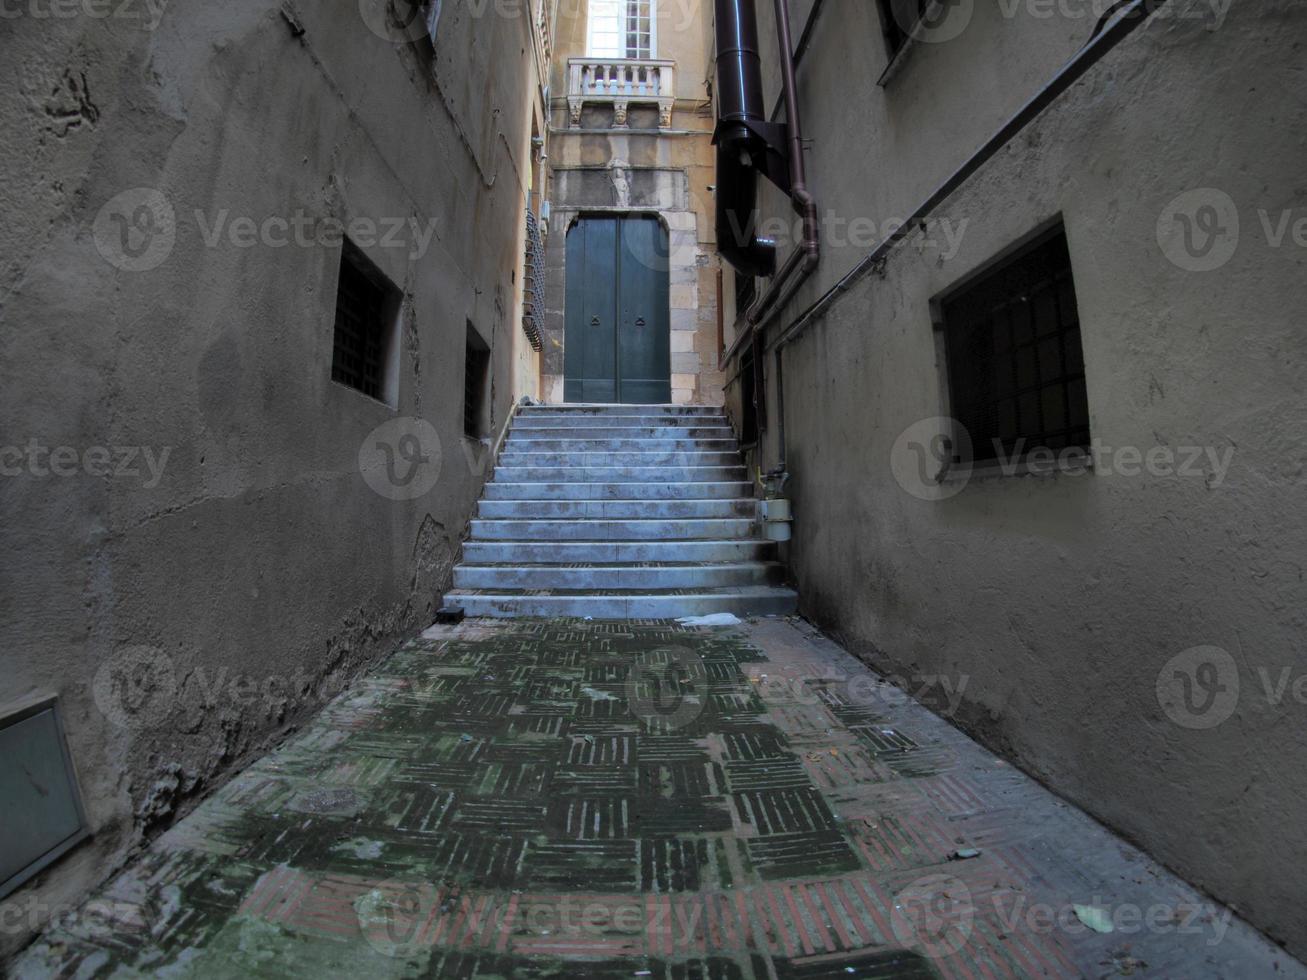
{"points": [[1095, 918], [715, 619]]}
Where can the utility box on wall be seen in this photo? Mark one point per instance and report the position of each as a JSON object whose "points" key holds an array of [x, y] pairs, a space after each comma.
{"points": [[41, 815]]}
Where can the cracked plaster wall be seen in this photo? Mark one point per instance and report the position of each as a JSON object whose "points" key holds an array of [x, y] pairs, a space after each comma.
{"points": [[260, 572]]}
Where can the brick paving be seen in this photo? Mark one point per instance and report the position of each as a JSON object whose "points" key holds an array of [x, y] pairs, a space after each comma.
{"points": [[637, 799]]}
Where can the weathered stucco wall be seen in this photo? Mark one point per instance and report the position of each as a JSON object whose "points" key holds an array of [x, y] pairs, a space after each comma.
{"points": [[1061, 601], [668, 173], [258, 569]]}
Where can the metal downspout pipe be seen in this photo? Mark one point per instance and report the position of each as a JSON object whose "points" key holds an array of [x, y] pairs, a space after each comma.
{"points": [[803, 261]]}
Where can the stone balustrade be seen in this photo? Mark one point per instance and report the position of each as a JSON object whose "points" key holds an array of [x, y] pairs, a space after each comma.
{"points": [[621, 82]]}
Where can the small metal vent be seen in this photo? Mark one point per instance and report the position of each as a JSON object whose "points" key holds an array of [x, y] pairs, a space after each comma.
{"points": [[533, 299], [41, 815]]}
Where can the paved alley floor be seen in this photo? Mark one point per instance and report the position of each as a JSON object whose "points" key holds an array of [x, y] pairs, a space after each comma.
{"points": [[531, 799]]}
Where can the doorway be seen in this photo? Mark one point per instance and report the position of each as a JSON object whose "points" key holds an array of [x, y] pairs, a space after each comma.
{"points": [[617, 334]]}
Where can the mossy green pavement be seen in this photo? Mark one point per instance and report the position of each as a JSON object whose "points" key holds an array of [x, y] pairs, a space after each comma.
{"points": [[531, 798]]}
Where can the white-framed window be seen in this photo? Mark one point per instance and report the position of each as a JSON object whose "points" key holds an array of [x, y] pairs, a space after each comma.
{"points": [[622, 29]]}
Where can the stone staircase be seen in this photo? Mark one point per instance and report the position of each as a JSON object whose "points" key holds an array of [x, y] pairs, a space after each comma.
{"points": [[619, 512]]}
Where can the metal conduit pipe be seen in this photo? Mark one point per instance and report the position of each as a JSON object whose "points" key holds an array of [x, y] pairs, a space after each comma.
{"points": [[801, 263]]}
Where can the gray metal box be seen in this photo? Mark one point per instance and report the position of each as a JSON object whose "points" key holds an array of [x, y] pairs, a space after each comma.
{"points": [[41, 815]]}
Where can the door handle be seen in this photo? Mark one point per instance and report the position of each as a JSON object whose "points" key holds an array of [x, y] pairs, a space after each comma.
{"points": [[594, 321], [639, 321]]}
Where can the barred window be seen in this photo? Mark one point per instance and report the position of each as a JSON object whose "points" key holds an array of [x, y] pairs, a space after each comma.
{"points": [[367, 313], [1016, 367]]}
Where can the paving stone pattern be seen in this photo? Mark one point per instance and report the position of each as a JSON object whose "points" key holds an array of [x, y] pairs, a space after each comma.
{"points": [[530, 799]]}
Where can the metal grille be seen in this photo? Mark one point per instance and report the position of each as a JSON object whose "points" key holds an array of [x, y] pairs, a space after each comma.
{"points": [[1015, 361], [533, 297], [358, 347]]}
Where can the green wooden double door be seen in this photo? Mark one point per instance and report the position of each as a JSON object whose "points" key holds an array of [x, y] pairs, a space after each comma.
{"points": [[617, 337]]}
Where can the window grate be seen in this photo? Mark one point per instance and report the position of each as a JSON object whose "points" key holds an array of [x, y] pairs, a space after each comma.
{"points": [[1015, 360], [364, 306], [533, 296]]}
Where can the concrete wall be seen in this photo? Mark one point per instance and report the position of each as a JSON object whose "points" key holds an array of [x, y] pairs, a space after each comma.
{"points": [[1063, 600], [272, 557], [668, 173]]}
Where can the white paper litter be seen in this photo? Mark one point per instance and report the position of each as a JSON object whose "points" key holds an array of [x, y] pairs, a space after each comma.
{"points": [[716, 619]]}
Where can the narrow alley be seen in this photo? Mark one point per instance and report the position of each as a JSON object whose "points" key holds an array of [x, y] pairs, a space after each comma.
{"points": [[686, 489]]}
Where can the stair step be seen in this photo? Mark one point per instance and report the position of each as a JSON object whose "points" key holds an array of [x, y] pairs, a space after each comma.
{"points": [[619, 512], [756, 600], [646, 510], [616, 491], [580, 409], [617, 576], [623, 432], [661, 458], [527, 423], [615, 530], [609, 552], [516, 444], [619, 474]]}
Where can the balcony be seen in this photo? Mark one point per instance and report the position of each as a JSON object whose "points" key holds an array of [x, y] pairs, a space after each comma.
{"points": [[621, 83]]}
